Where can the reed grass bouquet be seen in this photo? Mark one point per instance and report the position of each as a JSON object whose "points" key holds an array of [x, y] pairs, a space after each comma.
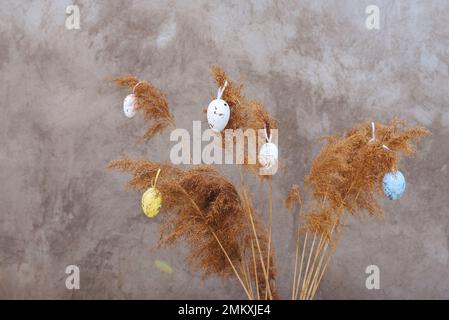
{"points": [[226, 235]]}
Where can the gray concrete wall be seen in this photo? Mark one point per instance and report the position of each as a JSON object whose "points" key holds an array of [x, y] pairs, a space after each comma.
{"points": [[315, 66]]}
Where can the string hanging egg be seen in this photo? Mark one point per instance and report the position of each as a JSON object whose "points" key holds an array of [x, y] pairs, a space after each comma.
{"points": [[268, 153], [128, 105], [218, 111], [152, 199], [394, 185]]}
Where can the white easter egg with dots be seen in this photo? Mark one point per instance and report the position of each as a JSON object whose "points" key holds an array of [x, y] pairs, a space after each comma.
{"points": [[268, 154], [129, 105], [218, 113]]}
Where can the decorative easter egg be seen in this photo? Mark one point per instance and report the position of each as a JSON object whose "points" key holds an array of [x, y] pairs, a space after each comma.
{"points": [[151, 202], [128, 105], [218, 113], [268, 154], [394, 185]]}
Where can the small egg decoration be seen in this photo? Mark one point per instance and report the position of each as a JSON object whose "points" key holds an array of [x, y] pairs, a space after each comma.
{"points": [[129, 105], [218, 111], [152, 200], [394, 185], [268, 155]]}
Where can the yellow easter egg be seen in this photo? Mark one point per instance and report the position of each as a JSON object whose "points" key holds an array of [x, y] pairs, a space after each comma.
{"points": [[151, 202]]}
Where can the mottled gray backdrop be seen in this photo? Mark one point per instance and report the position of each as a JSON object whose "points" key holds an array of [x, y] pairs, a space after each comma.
{"points": [[313, 63]]}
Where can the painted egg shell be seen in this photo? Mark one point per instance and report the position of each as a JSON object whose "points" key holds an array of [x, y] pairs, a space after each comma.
{"points": [[394, 185], [151, 202], [218, 113], [268, 154], [128, 106]]}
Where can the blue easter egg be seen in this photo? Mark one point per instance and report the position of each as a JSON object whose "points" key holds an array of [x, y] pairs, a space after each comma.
{"points": [[394, 185]]}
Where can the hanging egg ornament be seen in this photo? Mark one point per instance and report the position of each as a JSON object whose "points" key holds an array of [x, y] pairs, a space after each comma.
{"points": [[268, 153], [218, 112], [152, 200], [129, 105], [394, 185]]}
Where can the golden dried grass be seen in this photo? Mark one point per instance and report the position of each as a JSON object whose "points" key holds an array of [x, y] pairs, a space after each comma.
{"points": [[293, 197], [151, 101], [204, 209], [245, 114], [346, 176]]}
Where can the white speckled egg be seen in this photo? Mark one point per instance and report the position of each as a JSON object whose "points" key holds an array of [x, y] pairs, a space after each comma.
{"points": [[218, 113], [268, 154], [128, 105]]}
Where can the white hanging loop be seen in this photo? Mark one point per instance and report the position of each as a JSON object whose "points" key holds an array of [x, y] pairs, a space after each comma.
{"points": [[222, 89], [137, 84], [268, 153], [266, 135], [373, 136], [373, 132]]}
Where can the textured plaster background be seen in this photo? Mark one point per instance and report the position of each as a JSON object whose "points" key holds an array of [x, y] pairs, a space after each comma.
{"points": [[315, 66]]}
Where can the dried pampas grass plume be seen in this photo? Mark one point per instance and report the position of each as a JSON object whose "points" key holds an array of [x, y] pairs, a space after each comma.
{"points": [[347, 174], [346, 177], [204, 209], [293, 197], [151, 101]]}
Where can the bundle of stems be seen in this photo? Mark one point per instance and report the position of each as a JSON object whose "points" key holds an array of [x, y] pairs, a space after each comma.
{"points": [[345, 177], [248, 114]]}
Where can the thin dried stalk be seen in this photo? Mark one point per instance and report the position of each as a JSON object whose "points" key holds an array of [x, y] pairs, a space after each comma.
{"points": [[300, 267], [232, 265], [312, 267], [314, 279], [321, 276], [321, 252], [264, 275], [293, 197], [308, 263], [247, 274], [270, 223], [260, 251], [255, 269], [296, 265]]}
